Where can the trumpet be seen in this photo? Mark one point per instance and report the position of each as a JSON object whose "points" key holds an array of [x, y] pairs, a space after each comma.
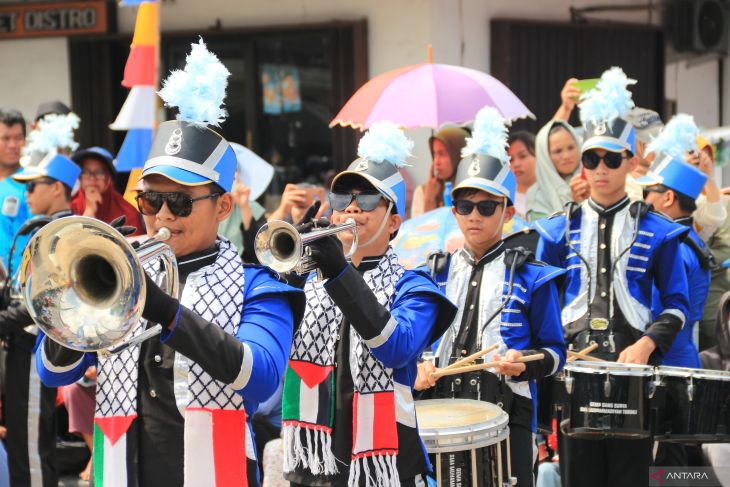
{"points": [[280, 246], [84, 284]]}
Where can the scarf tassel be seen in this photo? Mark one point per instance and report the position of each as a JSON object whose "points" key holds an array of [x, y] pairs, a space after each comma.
{"points": [[384, 470], [319, 458]]}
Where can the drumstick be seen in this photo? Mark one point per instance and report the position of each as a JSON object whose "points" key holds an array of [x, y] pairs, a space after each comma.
{"points": [[585, 351], [576, 356], [471, 357], [488, 365]]}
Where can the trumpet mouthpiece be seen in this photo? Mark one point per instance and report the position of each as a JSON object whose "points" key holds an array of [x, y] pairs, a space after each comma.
{"points": [[162, 234]]}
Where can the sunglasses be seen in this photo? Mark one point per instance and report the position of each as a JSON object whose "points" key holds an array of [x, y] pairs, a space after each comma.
{"points": [[655, 189], [31, 185], [365, 201], [485, 208], [612, 160], [179, 204]]}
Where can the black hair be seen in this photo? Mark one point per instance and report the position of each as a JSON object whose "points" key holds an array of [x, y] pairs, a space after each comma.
{"points": [[527, 138], [67, 191], [686, 204], [12, 117]]}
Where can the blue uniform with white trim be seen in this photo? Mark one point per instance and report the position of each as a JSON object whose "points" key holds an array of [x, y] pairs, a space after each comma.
{"points": [[249, 364], [267, 326], [652, 260], [684, 352], [530, 321]]}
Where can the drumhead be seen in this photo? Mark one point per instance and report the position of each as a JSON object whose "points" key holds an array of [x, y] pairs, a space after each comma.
{"points": [[448, 425], [687, 372], [614, 368]]}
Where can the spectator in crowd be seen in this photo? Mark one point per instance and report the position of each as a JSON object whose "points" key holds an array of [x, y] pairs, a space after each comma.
{"points": [[557, 152], [717, 239], [97, 197], [295, 201], [253, 176], [522, 162], [80, 402], [557, 149], [52, 107], [445, 147], [710, 214], [647, 125], [13, 207]]}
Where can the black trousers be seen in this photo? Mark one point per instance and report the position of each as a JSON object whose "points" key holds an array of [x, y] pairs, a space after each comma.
{"points": [[605, 463], [30, 416], [521, 455]]}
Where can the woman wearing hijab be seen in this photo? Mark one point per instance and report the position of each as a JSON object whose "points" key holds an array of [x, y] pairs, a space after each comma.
{"points": [[445, 147], [97, 197], [557, 149]]}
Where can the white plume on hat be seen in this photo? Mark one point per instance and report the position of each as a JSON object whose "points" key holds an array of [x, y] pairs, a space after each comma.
{"points": [[609, 100], [199, 89], [384, 141], [489, 136], [53, 132]]}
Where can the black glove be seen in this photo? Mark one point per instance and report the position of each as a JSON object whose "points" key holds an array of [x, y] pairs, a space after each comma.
{"points": [[327, 253], [159, 307], [306, 223], [119, 226]]}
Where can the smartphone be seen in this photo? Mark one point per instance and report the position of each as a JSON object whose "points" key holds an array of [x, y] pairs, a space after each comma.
{"points": [[585, 85]]}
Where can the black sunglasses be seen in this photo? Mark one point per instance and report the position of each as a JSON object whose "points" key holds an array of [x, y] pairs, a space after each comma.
{"points": [[180, 204], [485, 208], [654, 189], [30, 185], [365, 201], [612, 160]]}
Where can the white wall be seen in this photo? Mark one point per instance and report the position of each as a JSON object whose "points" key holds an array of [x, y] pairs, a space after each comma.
{"points": [[398, 34], [694, 88], [33, 71]]}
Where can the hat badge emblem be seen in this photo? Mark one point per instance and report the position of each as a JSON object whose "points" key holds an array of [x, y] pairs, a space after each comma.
{"points": [[600, 129], [362, 165], [474, 168], [174, 143]]}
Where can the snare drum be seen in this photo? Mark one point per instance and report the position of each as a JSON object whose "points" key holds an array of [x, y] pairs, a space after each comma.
{"points": [[607, 399], [694, 405], [465, 438]]}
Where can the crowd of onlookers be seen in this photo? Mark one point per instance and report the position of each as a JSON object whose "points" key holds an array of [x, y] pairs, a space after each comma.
{"points": [[546, 166]]}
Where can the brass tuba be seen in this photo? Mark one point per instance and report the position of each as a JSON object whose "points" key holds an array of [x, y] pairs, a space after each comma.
{"points": [[84, 284]]}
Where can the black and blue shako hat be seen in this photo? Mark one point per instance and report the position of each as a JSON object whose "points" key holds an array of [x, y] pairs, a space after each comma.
{"points": [[674, 142], [42, 155], [381, 153], [186, 150], [603, 112], [485, 163]]}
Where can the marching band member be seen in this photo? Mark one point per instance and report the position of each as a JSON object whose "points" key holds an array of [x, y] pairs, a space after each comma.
{"points": [[504, 297], [615, 252], [30, 406], [672, 188], [230, 327], [348, 413]]}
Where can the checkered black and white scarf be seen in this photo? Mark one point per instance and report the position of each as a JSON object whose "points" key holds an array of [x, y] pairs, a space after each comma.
{"points": [[309, 396]]}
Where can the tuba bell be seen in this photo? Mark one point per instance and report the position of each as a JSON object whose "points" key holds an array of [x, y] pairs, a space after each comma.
{"points": [[282, 248], [84, 284]]}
